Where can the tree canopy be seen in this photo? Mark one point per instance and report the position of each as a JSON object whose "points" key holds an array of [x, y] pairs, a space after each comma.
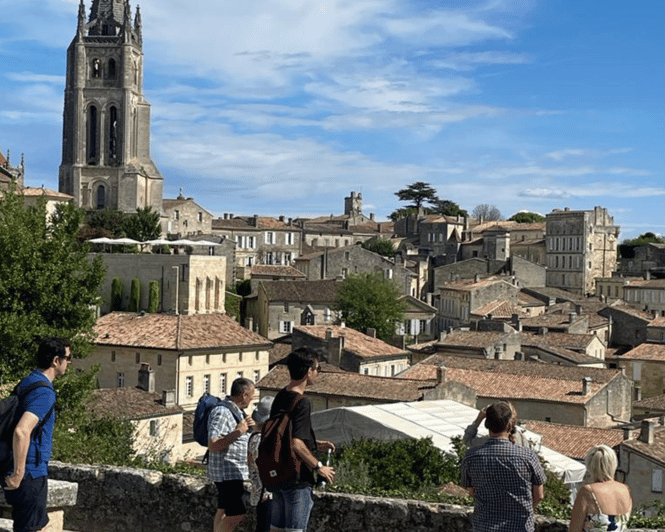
{"points": [[447, 208], [645, 238], [142, 226], [489, 213], [527, 217], [382, 246], [48, 286], [368, 300], [417, 193]]}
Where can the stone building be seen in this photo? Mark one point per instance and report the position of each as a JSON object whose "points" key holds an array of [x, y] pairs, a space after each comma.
{"points": [[189, 284], [185, 217], [498, 345], [11, 174], [581, 245], [345, 261], [189, 354], [583, 396], [640, 260], [276, 307], [647, 295], [106, 159], [628, 325]]}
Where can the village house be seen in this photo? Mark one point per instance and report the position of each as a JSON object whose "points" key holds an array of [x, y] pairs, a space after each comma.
{"points": [[334, 389], [418, 318], [587, 397], [498, 345], [157, 420], [190, 354], [345, 261], [642, 462], [567, 349], [628, 325], [642, 260], [185, 218], [647, 295], [352, 350], [188, 284], [645, 365], [276, 307]]}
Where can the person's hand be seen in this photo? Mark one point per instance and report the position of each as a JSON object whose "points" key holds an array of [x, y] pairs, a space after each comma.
{"points": [[481, 415], [12, 482], [327, 472], [323, 445], [251, 424], [243, 426]]}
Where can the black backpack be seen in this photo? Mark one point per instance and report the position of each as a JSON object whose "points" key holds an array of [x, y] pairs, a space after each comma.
{"points": [[10, 414], [277, 461], [205, 405]]}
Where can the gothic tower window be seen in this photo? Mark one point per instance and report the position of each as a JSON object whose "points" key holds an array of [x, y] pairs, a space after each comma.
{"points": [[101, 197], [111, 70], [113, 133], [96, 68], [92, 135]]}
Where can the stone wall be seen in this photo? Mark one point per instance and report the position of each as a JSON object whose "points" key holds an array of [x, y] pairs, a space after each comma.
{"points": [[113, 499]]}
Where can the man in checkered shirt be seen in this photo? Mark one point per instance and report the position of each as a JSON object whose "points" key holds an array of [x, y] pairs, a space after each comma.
{"points": [[505, 480], [228, 433]]}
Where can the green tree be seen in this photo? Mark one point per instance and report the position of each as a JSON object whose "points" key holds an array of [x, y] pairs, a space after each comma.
{"points": [[368, 300], [526, 217], [48, 286], [447, 208], [116, 294], [403, 212], [417, 193], [153, 296], [135, 296], [107, 222], [489, 213], [142, 226], [643, 239], [382, 246]]}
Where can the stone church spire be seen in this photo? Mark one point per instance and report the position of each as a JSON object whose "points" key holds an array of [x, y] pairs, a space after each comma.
{"points": [[106, 159]]}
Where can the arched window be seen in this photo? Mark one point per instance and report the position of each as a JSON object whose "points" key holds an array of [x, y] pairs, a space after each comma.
{"points": [[101, 197], [96, 68], [113, 133], [111, 71], [92, 135]]}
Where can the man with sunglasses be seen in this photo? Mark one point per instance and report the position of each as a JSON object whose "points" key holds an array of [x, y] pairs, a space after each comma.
{"points": [[292, 504], [26, 486]]}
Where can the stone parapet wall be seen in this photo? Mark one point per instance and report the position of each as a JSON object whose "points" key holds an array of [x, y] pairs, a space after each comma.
{"points": [[114, 499]]}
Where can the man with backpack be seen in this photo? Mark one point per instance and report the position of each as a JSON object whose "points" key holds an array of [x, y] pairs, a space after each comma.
{"points": [[292, 500], [25, 483], [228, 431]]}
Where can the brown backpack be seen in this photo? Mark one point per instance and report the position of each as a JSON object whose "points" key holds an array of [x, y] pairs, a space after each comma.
{"points": [[277, 461]]}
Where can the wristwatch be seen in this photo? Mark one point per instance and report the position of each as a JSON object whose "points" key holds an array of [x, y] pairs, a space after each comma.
{"points": [[318, 466]]}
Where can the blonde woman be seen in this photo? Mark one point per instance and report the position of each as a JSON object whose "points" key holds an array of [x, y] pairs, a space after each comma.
{"points": [[603, 504]]}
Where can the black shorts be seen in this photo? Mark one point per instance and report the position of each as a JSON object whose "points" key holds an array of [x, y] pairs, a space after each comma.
{"points": [[232, 497], [28, 504]]}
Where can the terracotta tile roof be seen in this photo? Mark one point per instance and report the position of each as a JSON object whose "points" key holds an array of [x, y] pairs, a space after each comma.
{"points": [[279, 351], [129, 403], [41, 191], [527, 300], [509, 225], [652, 283], [266, 222], [348, 384], [470, 284], [646, 351], [654, 450], [499, 309], [322, 291], [459, 338], [518, 379], [276, 271], [174, 332], [355, 342], [526, 242], [556, 339], [233, 224], [553, 293], [572, 440], [651, 403], [657, 322], [569, 355], [627, 309], [171, 203]]}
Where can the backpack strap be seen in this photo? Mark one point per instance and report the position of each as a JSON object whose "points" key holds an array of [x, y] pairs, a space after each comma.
{"points": [[39, 428]]}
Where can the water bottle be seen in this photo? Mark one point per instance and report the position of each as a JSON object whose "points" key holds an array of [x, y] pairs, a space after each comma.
{"points": [[323, 482]]}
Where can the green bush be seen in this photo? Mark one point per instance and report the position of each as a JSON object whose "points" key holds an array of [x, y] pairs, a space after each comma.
{"points": [[135, 296], [116, 294], [232, 304], [153, 296]]}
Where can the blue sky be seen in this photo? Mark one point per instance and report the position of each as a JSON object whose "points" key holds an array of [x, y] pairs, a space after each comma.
{"points": [[284, 106]]}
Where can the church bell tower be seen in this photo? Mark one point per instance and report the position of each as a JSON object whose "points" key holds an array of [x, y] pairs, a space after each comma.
{"points": [[106, 124]]}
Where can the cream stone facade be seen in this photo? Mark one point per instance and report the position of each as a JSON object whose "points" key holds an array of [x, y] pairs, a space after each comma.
{"points": [[184, 217], [189, 284]]}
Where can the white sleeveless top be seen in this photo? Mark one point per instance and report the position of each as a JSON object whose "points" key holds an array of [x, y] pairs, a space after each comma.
{"points": [[601, 522]]}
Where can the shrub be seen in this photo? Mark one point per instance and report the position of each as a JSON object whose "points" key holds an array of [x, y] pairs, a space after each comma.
{"points": [[153, 296], [135, 296], [116, 294]]}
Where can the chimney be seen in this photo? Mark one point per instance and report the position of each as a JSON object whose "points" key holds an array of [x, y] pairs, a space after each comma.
{"points": [[638, 393], [571, 317], [442, 335], [626, 433], [586, 385], [647, 275], [517, 324], [281, 218], [519, 355], [476, 278], [646, 431], [428, 298], [255, 220], [329, 334], [168, 398], [441, 374], [371, 216], [249, 323], [335, 347], [542, 331], [146, 378], [578, 309], [371, 331]]}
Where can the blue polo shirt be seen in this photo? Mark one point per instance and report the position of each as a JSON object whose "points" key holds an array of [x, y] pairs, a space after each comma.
{"points": [[38, 402]]}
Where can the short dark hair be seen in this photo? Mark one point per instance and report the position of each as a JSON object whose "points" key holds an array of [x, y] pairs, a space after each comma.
{"points": [[50, 348], [300, 361], [498, 417], [240, 386]]}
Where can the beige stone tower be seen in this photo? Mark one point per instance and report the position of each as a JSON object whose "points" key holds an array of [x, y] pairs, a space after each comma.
{"points": [[106, 125]]}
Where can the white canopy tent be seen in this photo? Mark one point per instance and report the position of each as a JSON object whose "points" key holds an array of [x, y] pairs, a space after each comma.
{"points": [[441, 420]]}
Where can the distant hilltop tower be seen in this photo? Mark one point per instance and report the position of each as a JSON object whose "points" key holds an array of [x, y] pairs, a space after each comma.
{"points": [[106, 124], [353, 204]]}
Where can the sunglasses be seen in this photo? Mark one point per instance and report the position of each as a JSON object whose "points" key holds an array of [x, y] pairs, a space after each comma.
{"points": [[68, 358]]}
